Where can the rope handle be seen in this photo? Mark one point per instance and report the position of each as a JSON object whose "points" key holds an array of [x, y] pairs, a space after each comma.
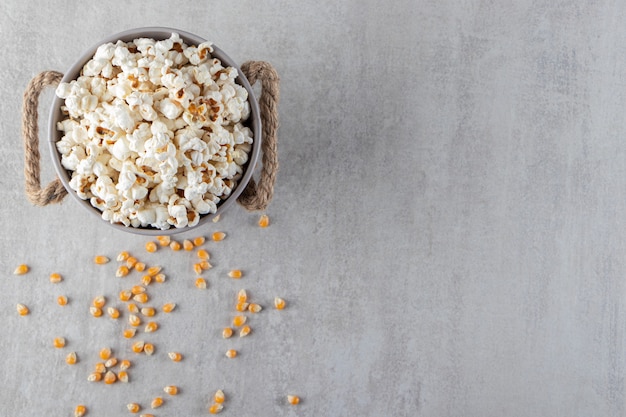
{"points": [[256, 195]]}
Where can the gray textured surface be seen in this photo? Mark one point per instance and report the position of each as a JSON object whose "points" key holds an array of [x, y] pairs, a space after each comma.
{"points": [[448, 224]]}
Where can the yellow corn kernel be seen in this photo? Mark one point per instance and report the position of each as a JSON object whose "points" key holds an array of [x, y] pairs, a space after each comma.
{"points": [[134, 320], [219, 396], [204, 265], [254, 308], [110, 377], [129, 333], [151, 247], [245, 330], [99, 301], [125, 295], [171, 389], [215, 408], [113, 312], [138, 289], [218, 236], [130, 262], [151, 327], [62, 300], [293, 399], [94, 377], [141, 298], [239, 321], [137, 347], [122, 376], [169, 307], [175, 356], [148, 311], [122, 271], [242, 296], [55, 278], [199, 241], [231, 353], [264, 221], [105, 353], [111, 363], [163, 240], [80, 410], [153, 270], [203, 254], [146, 415], [122, 256], [241, 306], [175, 246], [156, 402], [197, 268], [100, 368], [235, 273], [58, 342], [95, 311], [160, 278], [71, 358], [146, 280], [148, 349], [101, 260], [187, 245], [133, 407], [140, 267], [124, 364], [227, 332], [200, 283], [22, 310], [216, 219], [279, 303], [132, 307]]}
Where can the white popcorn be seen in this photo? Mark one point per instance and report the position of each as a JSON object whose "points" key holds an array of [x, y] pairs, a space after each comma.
{"points": [[154, 134]]}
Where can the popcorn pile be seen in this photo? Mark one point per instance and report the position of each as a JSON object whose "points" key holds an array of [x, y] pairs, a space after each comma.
{"points": [[154, 135]]}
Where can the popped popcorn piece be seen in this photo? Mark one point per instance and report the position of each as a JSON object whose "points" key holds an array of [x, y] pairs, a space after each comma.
{"points": [[154, 134]]}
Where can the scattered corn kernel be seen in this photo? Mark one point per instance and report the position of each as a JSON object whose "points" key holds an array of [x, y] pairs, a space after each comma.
{"points": [[80, 411], [134, 320], [171, 389], [151, 327], [231, 353], [175, 356], [219, 396], [58, 342], [124, 364], [199, 241], [239, 320], [125, 295], [140, 267], [218, 236], [55, 278], [100, 368], [156, 402], [146, 280], [148, 311], [122, 271], [133, 407], [146, 415], [175, 246], [101, 260], [254, 308], [122, 376], [137, 347], [111, 363], [141, 298], [216, 219], [105, 353], [242, 296], [71, 358], [153, 270], [197, 268], [110, 377], [129, 333], [245, 330], [169, 307], [22, 310], [227, 332], [94, 377], [138, 289], [160, 278], [204, 265], [122, 256], [241, 306], [148, 349], [279, 303], [187, 245], [62, 300], [163, 240], [113, 312], [203, 254], [201, 283], [264, 221], [235, 273], [151, 247], [95, 311], [130, 262], [293, 399], [99, 301], [215, 408], [132, 307]]}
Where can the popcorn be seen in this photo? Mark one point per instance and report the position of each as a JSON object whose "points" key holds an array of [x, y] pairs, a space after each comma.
{"points": [[154, 134]]}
